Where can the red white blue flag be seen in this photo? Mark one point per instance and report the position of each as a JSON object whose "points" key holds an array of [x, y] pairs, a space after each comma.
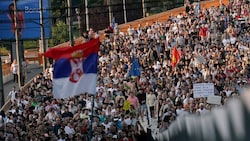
{"points": [[75, 69]]}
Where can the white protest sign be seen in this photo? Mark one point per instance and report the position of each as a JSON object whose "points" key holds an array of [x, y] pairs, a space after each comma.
{"points": [[203, 90], [214, 100]]}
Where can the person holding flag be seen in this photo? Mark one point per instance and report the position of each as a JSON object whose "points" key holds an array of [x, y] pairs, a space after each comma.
{"points": [[175, 57]]}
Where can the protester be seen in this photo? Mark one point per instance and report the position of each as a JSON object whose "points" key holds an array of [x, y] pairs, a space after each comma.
{"points": [[14, 70]]}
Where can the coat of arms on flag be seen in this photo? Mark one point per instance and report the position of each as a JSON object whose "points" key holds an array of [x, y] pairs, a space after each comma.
{"points": [[75, 69], [76, 65]]}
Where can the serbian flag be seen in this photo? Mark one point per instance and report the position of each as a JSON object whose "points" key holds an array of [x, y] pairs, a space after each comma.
{"points": [[175, 57], [75, 69]]}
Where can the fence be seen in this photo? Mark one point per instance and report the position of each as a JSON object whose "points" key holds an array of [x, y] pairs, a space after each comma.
{"points": [[33, 57]]}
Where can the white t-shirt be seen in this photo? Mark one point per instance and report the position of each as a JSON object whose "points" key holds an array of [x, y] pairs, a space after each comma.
{"points": [[203, 111], [14, 68], [69, 130], [12, 95], [107, 126]]}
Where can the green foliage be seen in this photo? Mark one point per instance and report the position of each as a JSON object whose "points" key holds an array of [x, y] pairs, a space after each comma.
{"points": [[30, 44], [4, 51], [59, 14], [58, 10], [163, 5], [60, 34]]}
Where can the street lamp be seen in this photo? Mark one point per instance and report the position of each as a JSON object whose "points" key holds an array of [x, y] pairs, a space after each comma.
{"points": [[77, 10]]}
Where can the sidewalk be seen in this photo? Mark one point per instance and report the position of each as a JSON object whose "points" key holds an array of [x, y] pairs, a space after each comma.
{"points": [[8, 80]]}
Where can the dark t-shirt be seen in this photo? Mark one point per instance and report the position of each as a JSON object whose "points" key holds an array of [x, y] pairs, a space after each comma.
{"points": [[142, 98], [67, 114], [187, 9]]}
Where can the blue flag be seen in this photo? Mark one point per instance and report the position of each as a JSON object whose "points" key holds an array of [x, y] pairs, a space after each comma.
{"points": [[135, 68], [198, 8], [226, 22], [113, 23]]}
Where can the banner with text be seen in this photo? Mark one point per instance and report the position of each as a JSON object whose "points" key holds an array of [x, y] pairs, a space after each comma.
{"points": [[203, 89], [214, 100]]}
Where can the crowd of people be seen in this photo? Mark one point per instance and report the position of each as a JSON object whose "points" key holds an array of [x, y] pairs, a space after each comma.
{"points": [[213, 45]]}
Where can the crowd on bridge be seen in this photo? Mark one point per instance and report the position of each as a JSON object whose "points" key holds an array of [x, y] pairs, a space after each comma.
{"points": [[213, 45]]}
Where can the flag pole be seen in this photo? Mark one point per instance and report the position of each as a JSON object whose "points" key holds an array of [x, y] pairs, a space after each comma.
{"points": [[1, 85], [87, 15], [42, 45], [69, 10], [124, 11], [91, 117], [18, 49]]}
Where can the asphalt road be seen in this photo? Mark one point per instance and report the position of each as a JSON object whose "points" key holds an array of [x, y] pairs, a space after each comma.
{"points": [[34, 69]]}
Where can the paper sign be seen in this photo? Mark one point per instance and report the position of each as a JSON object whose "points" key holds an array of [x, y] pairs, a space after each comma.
{"points": [[203, 90], [214, 100]]}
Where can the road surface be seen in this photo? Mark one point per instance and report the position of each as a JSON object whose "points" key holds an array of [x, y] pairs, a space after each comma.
{"points": [[34, 69]]}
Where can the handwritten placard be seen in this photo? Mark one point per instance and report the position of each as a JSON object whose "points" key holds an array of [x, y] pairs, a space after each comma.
{"points": [[203, 89], [214, 100]]}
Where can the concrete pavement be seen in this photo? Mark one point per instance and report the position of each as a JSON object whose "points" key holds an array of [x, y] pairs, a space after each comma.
{"points": [[33, 70]]}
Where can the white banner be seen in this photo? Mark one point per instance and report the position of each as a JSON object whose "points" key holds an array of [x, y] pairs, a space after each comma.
{"points": [[203, 90], [214, 100]]}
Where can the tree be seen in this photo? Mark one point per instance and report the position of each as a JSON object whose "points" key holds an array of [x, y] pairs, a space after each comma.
{"points": [[60, 34], [58, 10]]}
